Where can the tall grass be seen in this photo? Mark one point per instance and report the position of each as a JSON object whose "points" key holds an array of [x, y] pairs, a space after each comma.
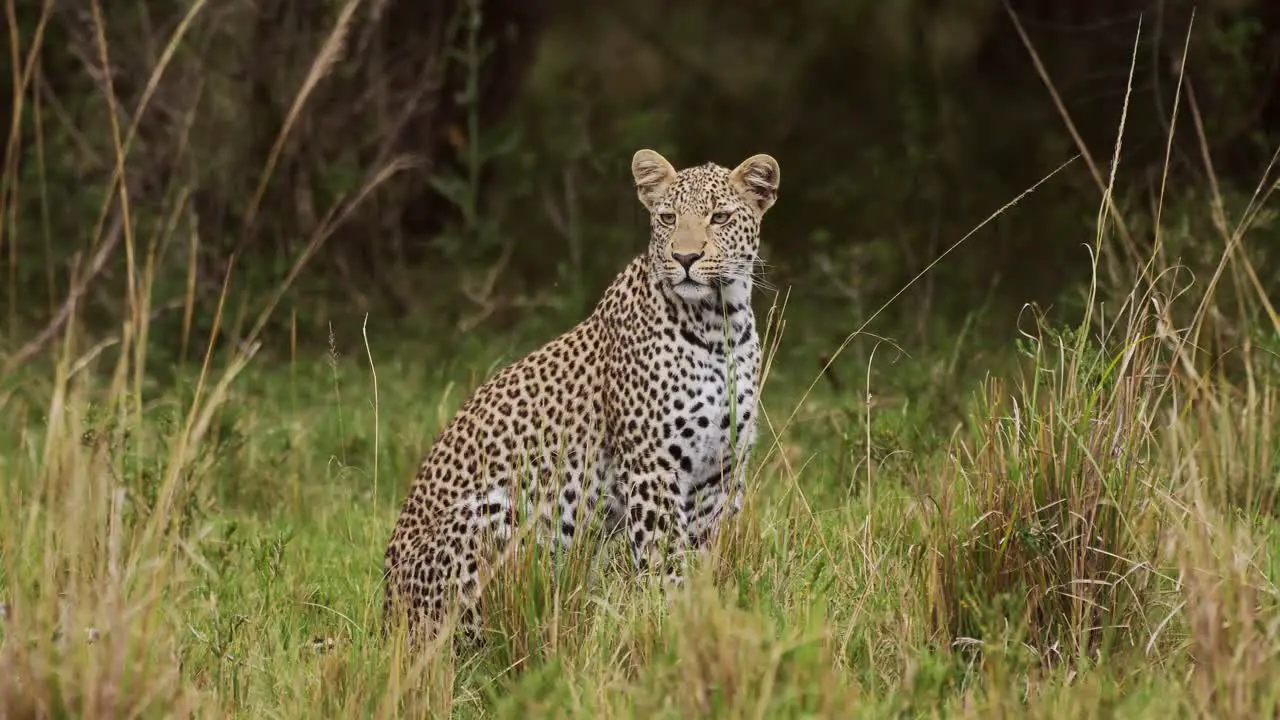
{"points": [[1045, 524], [1114, 504], [104, 499]]}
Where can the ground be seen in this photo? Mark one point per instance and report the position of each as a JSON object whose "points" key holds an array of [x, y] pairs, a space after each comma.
{"points": [[822, 602]]}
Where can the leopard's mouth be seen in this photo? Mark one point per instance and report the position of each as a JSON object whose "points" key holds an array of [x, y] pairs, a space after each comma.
{"points": [[689, 285], [693, 290]]}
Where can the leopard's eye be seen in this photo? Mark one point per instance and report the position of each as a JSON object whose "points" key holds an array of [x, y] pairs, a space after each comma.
{"points": [[667, 218], [719, 218]]}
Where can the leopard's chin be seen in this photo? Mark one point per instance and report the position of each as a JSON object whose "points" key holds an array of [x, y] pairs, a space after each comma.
{"points": [[692, 291]]}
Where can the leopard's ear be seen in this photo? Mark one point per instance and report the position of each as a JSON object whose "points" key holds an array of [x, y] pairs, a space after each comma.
{"points": [[757, 179], [653, 175]]}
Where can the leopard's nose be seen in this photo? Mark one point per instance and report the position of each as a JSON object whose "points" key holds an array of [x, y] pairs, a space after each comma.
{"points": [[686, 260]]}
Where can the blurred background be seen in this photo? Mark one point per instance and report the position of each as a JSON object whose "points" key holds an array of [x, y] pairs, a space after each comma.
{"points": [[461, 164]]}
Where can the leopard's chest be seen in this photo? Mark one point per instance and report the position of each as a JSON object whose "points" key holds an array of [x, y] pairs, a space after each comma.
{"points": [[711, 405]]}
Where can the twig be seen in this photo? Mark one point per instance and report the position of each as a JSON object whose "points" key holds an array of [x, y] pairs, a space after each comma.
{"points": [[36, 344]]}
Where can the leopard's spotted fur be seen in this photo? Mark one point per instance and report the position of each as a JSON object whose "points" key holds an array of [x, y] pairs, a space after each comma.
{"points": [[647, 407]]}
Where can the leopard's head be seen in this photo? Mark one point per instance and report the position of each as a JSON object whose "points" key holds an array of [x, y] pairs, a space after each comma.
{"points": [[705, 221]]}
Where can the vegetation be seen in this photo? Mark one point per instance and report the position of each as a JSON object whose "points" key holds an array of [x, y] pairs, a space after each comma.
{"points": [[1021, 449]]}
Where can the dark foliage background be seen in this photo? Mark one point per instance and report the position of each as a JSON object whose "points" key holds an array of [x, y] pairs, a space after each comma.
{"points": [[465, 161]]}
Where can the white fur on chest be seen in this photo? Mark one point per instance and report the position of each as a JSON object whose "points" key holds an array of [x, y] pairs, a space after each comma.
{"points": [[706, 419]]}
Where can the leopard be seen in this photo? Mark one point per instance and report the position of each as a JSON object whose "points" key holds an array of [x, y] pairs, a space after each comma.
{"points": [[645, 412]]}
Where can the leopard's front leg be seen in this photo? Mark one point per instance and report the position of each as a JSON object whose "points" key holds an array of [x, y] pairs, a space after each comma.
{"points": [[656, 522]]}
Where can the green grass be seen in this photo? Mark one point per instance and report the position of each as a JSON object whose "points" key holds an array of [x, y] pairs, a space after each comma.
{"points": [[1088, 532]]}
